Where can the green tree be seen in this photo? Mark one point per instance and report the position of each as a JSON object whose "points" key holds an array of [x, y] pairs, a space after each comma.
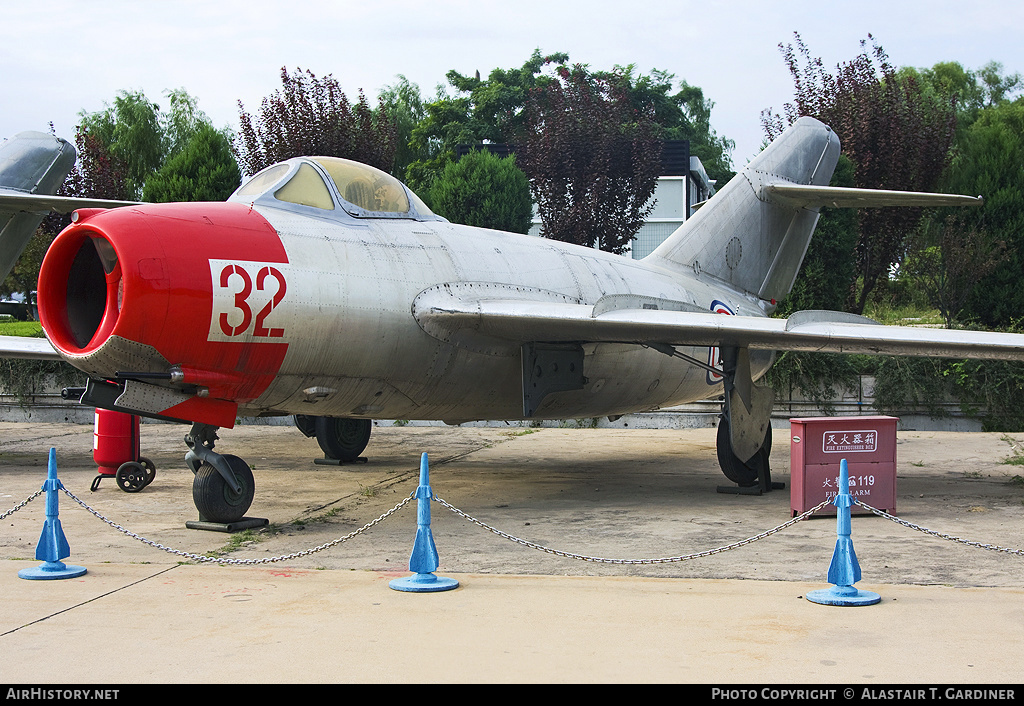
{"points": [[404, 106], [140, 137], [484, 190], [956, 248], [182, 121], [948, 260], [493, 110], [972, 91], [990, 162], [131, 131], [593, 160], [203, 170], [312, 116], [483, 110], [683, 115]]}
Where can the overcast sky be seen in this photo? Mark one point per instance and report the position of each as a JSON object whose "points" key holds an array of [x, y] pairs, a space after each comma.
{"points": [[59, 57]]}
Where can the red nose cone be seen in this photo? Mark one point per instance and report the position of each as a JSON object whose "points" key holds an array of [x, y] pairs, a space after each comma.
{"points": [[131, 290]]}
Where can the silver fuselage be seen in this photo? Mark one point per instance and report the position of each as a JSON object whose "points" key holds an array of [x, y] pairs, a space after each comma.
{"points": [[356, 349]]}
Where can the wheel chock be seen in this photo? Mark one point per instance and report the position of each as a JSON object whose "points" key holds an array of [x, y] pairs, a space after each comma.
{"points": [[424, 559], [228, 527], [53, 545], [338, 462], [844, 571]]}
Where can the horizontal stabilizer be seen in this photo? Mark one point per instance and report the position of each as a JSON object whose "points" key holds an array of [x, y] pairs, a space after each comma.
{"points": [[811, 196]]}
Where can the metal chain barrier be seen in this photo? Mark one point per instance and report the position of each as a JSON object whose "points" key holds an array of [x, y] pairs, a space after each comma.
{"points": [[663, 560], [22, 504], [221, 560], [526, 543], [940, 535]]}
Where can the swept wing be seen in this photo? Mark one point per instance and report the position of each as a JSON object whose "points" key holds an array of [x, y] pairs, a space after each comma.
{"points": [[516, 322]]}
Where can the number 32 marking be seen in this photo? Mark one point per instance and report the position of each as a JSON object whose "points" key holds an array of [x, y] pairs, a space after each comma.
{"points": [[241, 302]]}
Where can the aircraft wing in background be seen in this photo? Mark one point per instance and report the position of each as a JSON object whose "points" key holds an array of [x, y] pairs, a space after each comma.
{"points": [[33, 165], [27, 347]]}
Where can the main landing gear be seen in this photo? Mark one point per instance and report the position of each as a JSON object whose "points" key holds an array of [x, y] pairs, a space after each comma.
{"points": [[223, 487], [753, 476], [745, 432], [340, 438], [744, 441]]}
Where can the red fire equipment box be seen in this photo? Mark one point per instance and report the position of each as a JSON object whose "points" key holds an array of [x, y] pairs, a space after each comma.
{"points": [[818, 444]]}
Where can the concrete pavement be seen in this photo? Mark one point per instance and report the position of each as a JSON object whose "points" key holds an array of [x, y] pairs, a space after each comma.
{"points": [[952, 614], [167, 623]]}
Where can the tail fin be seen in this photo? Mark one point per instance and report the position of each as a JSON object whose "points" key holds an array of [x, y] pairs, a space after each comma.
{"points": [[745, 237], [31, 163]]}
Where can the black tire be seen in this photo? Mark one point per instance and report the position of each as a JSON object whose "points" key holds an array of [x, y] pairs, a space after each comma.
{"points": [[742, 474], [341, 438], [131, 476], [214, 498], [149, 467], [306, 424]]}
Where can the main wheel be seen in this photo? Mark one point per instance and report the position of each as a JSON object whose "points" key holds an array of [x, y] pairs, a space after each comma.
{"points": [[341, 438], [215, 499], [742, 474]]}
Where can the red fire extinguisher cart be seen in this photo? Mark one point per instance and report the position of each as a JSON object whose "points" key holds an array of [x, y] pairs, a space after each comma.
{"points": [[115, 450]]}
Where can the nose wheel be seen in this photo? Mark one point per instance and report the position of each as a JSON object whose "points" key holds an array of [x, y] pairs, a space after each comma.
{"points": [[223, 487], [215, 499]]}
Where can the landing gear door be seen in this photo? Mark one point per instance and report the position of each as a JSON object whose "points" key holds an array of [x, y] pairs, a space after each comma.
{"points": [[747, 406]]}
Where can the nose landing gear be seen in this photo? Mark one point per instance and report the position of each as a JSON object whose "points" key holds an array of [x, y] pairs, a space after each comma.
{"points": [[223, 488]]}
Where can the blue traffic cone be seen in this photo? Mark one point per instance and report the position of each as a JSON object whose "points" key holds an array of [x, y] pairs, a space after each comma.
{"points": [[424, 560], [844, 571], [53, 545]]}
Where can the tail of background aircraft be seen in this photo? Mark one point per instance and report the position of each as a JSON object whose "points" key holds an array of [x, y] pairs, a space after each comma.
{"points": [[30, 163], [745, 235]]}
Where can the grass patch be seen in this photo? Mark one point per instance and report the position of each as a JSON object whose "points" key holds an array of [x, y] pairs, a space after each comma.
{"points": [[302, 522], [239, 539], [10, 327], [521, 432], [1016, 457], [903, 315]]}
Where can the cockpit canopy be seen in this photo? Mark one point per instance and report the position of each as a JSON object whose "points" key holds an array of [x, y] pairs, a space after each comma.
{"points": [[325, 185]]}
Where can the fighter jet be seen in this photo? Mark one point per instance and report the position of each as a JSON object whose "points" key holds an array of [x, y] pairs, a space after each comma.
{"points": [[326, 289]]}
